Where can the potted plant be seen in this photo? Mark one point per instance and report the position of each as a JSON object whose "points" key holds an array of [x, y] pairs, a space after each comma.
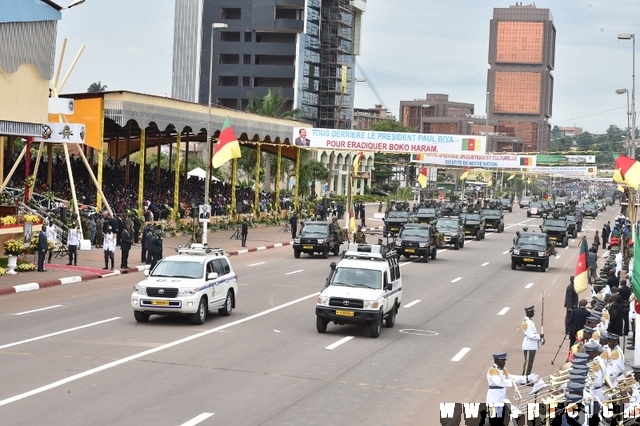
{"points": [[12, 249]]}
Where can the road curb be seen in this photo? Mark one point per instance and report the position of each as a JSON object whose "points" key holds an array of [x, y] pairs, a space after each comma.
{"points": [[48, 283]]}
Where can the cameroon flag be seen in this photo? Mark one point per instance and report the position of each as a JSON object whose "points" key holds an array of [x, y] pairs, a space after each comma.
{"points": [[629, 169], [471, 145], [227, 146], [422, 178], [581, 280]]}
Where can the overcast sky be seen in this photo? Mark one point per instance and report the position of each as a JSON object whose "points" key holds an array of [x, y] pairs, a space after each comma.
{"points": [[409, 48]]}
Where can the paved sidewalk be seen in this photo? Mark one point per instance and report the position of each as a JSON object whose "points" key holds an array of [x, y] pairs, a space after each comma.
{"points": [[91, 262]]}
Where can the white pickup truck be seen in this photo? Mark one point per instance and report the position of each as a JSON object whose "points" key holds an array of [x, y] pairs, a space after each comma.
{"points": [[365, 288]]}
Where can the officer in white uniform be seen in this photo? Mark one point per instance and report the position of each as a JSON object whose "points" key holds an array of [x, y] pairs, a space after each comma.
{"points": [[52, 237], [598, 368], [499, 379], [531, 342], [615, 361]]}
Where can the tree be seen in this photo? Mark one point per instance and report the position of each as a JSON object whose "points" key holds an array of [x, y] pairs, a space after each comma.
{"points": [[384, 163], [584, 141], [561, 144], [556, 133], [317, 172], [96, 87]]}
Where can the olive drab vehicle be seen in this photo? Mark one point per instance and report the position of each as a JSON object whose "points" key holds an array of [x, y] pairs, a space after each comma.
{"points": [[427, 212], [474, 223], [450, 209], [556, 229], [452, 230], [531, 249], [395, 218], [317, 236], [417, 239], [493, 216]]}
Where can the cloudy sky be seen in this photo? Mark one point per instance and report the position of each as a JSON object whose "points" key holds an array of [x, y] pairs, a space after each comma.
{"points": [[409, 48]]}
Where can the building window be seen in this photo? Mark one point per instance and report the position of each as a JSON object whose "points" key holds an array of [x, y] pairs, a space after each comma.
{"points": [[517, 92], [276, 37], [230, 59], [519, 42], [231, 13], [228, 81], [247, 36], [246, 81], [230, 36]]}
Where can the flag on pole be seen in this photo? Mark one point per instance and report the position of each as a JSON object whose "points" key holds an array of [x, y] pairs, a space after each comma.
{"points": [[629, 169], [464, 175], [512, 176], [635, 276], [490, 183], [356, 162], [581, 279], [227, 146], [422, 178]]}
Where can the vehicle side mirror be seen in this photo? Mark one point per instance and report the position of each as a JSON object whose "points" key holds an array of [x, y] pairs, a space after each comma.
{"points": [[146, 272], [389, 287], [212, 275], [514, 241]]}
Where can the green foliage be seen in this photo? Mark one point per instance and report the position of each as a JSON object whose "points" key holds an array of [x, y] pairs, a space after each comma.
{"points": [[96, 87], [384, 162], [273, 104]]}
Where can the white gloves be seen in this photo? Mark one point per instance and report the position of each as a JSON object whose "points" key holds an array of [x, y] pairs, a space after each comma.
{"points": [[533, 377]]}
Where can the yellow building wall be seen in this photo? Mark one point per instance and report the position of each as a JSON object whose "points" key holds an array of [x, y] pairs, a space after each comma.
{"points": [[88, 112], [24, 95]]}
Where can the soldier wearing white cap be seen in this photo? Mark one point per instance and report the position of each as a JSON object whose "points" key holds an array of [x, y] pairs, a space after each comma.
{"points": [[531, 342], [499, 379], [615, 361], [598, 367]]}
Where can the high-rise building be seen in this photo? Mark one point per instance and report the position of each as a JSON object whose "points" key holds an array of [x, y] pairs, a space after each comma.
{"points": [[364, 117], [305, 47], [522, 44]]}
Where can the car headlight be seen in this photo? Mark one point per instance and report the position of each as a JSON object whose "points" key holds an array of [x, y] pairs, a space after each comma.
{"points": [[398, 243], [323, 300], [321, 240], [296, 240], [516, 251], [541, 253], [422, 245], [371, 304], [140, 289], [187, 291]]}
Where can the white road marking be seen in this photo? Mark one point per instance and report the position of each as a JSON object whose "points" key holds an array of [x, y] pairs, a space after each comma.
{"points": [[200, 418], [460, 354], [257, 264], [142, 354], [33, 339], [485, 264], [558, 256], [37, 310], [503, 311], [277, 331], [339, 342], [294, 272], [415, 302], [566, 248], [505, 252], [455, 280], [528, 285]]}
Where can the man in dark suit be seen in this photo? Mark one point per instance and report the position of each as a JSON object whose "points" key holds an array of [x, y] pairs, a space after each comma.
{"points": [[125, 246], [205, 213], [570, 303], [302, 140], [577, 320], [42, 248], [293, 222], [244, 231]]}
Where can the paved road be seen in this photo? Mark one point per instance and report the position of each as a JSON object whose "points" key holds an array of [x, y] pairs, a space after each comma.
{"points": [[74, 354]]}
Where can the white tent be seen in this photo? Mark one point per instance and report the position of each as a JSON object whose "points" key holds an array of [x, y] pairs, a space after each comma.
{"points": [[202, 174]]}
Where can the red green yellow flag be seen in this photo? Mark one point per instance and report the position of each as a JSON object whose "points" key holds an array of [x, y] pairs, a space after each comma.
{"points": [[356, 162], [422, 178], [629, 169], [581, 280], [227, 146]]}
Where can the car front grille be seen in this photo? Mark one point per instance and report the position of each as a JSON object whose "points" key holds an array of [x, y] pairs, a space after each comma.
{"points": [[162, 292], [345, 303], [308, 241], [528, 253], [409, 244]]}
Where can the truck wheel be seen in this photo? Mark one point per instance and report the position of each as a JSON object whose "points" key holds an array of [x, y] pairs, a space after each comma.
{"points": [[228, 305], [565, 241], [434, 253], [528, 214], [141, 316], [296, 254], [456, 245], [513, 265], [478, 235], [574, 234], [336, 250], [391, 318], [321, 324], [201, 314], [325, 253], [375, 327], [543, 268], [425, 258], [461, 243]]}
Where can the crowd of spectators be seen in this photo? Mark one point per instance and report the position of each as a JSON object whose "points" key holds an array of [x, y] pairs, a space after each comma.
{"points": [[158, 193]]}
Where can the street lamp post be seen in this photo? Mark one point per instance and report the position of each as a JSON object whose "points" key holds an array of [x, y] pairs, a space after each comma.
{"points": [[622, 92], [632, 37], [207, 151], [73, 3]]}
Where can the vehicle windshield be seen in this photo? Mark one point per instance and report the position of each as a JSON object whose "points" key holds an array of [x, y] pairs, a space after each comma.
{"points": [[352, 277], [570, 218], [526, 199], [535, 204], [397, 215], [447, 224], [313, 228], [490, 212], [532, 239], [427, 210], [589, 206], [561, 200], [177, 269], [471, 216], [554, 222], [506, 201], [421, 232]]}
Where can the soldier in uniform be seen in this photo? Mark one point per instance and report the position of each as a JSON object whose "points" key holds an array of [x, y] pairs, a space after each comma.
{"points": [[598, 367], [615, 361], [499, 379], [359, 237], [531, 342]]}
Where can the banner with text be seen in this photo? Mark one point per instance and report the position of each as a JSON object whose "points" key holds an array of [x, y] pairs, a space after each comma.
{"points": [[564, 171], [501, 161], [393, 142]]}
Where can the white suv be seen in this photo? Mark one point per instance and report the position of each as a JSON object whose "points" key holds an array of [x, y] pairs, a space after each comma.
{"points": [[194, 282], [365, 288]]}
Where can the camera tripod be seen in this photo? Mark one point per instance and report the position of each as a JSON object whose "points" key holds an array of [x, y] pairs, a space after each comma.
{"points": [[236, 234], [286, 227]]}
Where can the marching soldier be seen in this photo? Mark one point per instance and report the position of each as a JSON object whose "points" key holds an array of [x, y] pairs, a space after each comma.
{"points": [[499, 379], [359, 237], [531, 342]]}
